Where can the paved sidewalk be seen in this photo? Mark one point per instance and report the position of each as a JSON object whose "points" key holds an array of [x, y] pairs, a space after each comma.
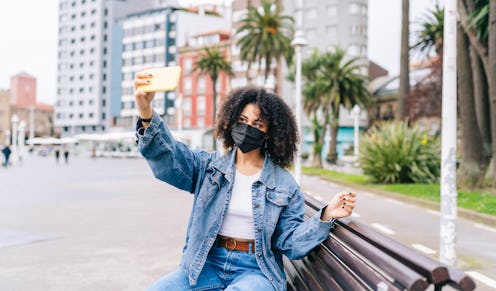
{"points": [[88, 225]]}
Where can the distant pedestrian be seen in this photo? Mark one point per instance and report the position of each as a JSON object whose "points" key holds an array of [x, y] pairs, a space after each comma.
{"points": [[6, 152], [66, 154], [57, 154]]}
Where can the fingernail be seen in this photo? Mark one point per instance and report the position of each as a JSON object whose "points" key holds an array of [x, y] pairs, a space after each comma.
{"points": [[344, 198], [344, 203], [148, 81], [342, 207], [349, 193], [149, 75]]}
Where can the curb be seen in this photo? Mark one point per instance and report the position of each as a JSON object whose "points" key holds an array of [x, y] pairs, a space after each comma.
{"points": [[468, 214]]}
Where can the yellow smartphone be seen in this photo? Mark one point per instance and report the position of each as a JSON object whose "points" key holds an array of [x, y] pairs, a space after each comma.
{"points": [[163, 79]]}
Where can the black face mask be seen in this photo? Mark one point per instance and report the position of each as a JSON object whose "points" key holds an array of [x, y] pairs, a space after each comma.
{"points": [[247, 137]]}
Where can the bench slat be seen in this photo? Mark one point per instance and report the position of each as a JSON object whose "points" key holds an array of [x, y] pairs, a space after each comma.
{"points": [[403, 275], [357, 265], [296, 281], [330, 267], [460, 280], [434, 270]]}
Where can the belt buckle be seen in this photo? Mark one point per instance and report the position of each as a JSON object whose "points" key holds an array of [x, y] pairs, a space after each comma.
{"points": [[227, 244]]}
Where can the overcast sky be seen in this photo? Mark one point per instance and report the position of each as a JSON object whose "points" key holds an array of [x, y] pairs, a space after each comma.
{"points": [[28, 41]]}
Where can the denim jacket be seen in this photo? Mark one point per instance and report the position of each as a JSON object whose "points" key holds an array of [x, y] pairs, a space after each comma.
{"points": [[278, 203]]}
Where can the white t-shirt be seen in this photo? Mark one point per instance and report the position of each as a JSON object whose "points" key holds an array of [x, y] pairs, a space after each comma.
{"points": [[238, 221]]}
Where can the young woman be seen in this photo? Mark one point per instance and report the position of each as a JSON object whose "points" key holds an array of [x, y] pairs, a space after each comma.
{"points": [[248, 210]]}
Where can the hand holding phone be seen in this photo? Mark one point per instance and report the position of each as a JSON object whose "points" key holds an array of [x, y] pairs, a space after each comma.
{"points": [[162, 79]]}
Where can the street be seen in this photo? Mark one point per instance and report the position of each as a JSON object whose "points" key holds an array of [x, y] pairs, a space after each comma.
{"points": [[108, 224]]}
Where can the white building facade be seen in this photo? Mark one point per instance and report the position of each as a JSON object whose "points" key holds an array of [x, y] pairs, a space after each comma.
{"points": [[151, 39], [83, 67]]}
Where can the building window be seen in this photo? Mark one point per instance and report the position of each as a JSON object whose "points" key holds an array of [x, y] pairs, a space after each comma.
{"points": [[188, 65], [187, 106], [187, 84], [201, 105], [332, 10], [201, 84], [311, 13], [355, 9]]}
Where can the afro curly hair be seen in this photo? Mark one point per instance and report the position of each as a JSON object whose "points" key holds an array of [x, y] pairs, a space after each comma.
{"points": [[283, 137]]}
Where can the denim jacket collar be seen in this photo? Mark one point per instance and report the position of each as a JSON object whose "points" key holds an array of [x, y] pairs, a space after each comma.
{"points": [[226, 165]]}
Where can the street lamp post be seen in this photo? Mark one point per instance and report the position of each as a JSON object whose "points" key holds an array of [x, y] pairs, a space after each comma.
{"points": [[7, 136], [31, 123], [298, 42], [14, 121], [21, 139], [448, 139]]}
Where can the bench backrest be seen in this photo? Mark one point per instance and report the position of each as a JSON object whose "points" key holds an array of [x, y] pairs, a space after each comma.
{"points": [[356, 257]]}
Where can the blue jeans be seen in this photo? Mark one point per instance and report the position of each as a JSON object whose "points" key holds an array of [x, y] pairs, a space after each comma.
{"points": [[224, 270]]}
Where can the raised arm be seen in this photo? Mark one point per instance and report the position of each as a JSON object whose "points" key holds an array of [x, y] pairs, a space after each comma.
{"points": [[171, 161]]}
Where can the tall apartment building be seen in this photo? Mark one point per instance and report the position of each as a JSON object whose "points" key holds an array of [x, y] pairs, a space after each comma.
{"points": [[83, 72], [151, 39], [330, 23]]}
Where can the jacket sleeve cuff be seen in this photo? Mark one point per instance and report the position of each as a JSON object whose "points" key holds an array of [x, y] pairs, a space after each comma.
{"points": [[145, 135]]}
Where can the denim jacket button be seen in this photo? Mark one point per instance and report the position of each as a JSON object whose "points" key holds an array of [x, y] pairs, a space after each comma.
{"points": [[259, 254]]}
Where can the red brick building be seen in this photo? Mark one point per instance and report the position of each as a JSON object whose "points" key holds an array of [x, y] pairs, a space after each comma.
{"points": [[195, 90], [23, 90]]}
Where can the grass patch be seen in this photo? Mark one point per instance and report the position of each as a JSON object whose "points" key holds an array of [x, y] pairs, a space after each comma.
{"points": [[331, 175], [478, 201]]}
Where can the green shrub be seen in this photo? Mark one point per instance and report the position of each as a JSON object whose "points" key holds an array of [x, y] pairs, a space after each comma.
{"points": [[396, 153]]}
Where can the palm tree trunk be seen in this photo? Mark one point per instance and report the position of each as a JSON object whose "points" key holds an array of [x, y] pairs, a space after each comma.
{"points": [[267, 66], [214, 99], [492, 76], [472, 34], [318, 134], [248, 74], [404, 90], [332, 154], [481, 102], [472, 147]]}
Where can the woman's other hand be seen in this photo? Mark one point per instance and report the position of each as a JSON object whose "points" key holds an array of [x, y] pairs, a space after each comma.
{"points": [[341, 205]]}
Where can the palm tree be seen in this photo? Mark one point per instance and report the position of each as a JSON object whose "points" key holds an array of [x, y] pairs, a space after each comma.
{"points": [[331, 81], [430, 36], [213, 62], [265, 35], [346, 87], [313, 91]]}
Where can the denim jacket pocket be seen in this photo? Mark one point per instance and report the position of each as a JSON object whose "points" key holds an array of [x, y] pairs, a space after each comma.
{"points": [[211, 185], [277, 201], [278, 198]]}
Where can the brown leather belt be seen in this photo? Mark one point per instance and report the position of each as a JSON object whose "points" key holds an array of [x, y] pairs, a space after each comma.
{"points": [[234, 244]]}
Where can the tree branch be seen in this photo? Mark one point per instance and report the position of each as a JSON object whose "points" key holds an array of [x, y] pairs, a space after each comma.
{"points": [[472, 36]]}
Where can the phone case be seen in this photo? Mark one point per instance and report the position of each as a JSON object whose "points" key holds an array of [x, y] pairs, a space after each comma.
{"points": [[163, 79]]}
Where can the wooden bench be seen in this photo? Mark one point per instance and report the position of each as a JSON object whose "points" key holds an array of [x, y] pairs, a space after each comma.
{"points": [[356, 257]]}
